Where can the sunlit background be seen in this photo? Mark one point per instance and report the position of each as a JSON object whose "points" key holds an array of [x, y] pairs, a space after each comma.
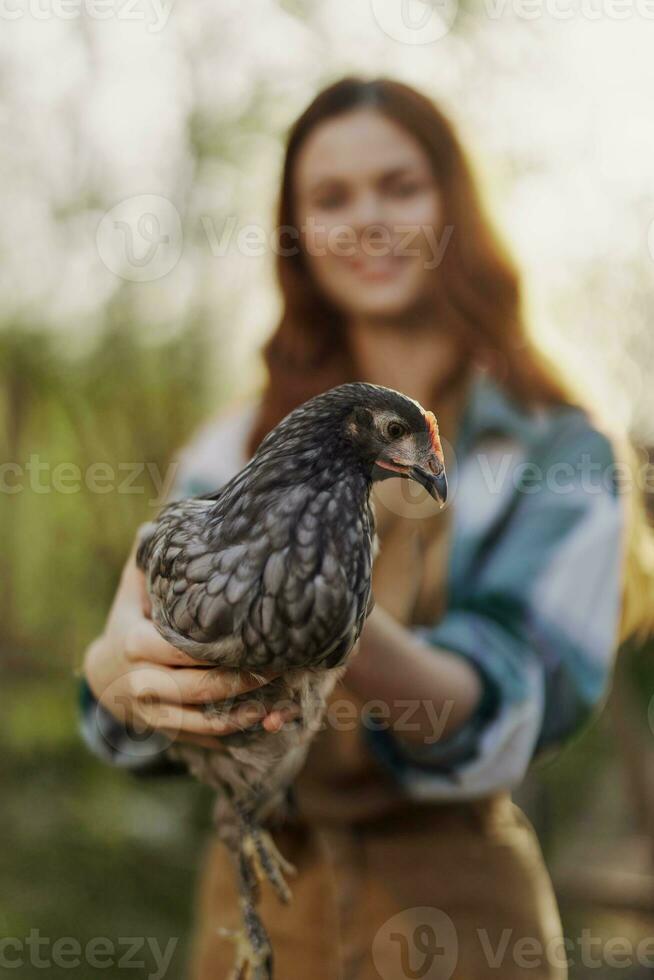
{"points": [[180, 111]]}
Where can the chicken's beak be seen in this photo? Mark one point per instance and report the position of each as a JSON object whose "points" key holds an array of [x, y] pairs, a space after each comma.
{"points": [[434, 483]]}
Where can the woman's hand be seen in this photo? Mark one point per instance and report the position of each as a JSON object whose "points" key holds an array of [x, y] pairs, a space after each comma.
{"points": [[149, 685]]}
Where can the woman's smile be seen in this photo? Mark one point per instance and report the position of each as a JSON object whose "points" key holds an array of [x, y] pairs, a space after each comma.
{"points": [[376, 268]]}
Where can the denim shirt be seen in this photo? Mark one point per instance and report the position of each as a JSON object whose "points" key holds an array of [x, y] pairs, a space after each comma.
{"points": [[533, 590]]}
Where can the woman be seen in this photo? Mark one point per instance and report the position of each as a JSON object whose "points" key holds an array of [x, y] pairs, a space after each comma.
{"points": [[495, 621]]}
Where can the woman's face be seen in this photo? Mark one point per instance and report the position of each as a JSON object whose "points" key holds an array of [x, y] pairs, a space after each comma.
{"points": [[368, 210]]}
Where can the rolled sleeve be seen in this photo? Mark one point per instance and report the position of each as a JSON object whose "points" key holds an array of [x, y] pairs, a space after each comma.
{"points": [[537, 614]]}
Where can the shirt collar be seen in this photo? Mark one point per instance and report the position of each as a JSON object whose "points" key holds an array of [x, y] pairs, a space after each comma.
{"points": [[490, 410]]}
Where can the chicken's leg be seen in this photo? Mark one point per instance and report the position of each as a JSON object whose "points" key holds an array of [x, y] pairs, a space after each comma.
{"points": [[257, 858], [260, 850], [254, 960]]}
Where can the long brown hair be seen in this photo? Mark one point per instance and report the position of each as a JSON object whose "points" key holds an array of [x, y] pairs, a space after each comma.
{"points": [[476, 288], [476, 295]]}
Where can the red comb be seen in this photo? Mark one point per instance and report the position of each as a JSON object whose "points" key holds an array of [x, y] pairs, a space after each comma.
{"points": [[432, 428]]}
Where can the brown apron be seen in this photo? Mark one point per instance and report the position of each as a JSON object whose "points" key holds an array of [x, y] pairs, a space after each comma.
{"points": [[390, 889], [387, 888]]}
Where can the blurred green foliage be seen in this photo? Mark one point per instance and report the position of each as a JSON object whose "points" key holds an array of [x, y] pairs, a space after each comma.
{"points": [[90, 436], [94, 852]]}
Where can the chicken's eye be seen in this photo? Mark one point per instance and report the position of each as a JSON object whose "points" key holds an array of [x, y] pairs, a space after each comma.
{"points": [[395, 429]]}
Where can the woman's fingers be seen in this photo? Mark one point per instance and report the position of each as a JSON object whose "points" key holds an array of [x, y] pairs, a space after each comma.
{"points": [[143, 642], [189, 685], [212, 742], [175, 719], [274, 722], [276, 719], [157, 700], [202, 685]]}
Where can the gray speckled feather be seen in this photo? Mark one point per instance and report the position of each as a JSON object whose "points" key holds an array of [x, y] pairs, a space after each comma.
{"points": [[274, 572]]}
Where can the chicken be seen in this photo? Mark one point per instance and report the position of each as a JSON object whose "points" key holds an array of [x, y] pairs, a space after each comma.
{"points": [[272, 574]]}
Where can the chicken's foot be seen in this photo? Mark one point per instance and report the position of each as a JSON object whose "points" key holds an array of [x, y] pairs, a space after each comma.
{"points": [[265, 860]]}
